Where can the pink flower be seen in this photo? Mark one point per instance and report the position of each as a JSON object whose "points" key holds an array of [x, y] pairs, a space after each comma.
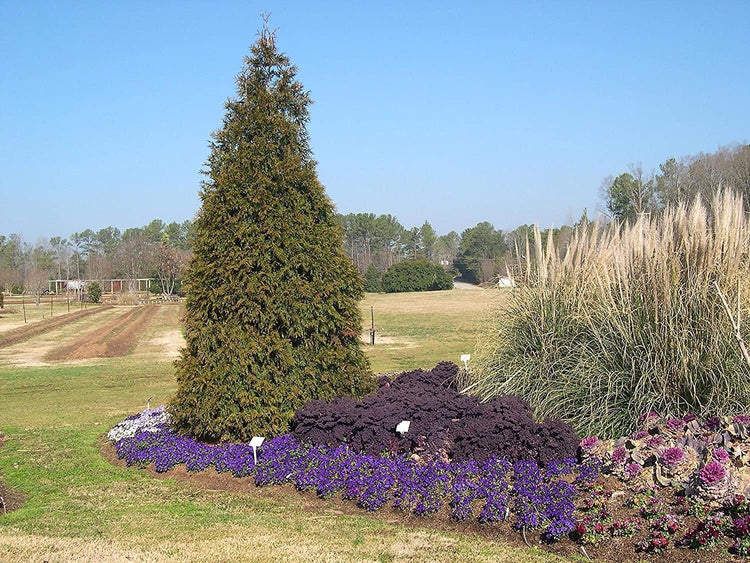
{"points": [[742, 418], [672, 456], [639, 435], [712, 473]]}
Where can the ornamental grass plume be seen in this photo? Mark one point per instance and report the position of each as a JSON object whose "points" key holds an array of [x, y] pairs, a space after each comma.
{"points": [[627, 318]]}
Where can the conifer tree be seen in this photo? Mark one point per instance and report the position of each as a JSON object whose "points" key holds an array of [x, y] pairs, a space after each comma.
{"points": [[272, 317]]}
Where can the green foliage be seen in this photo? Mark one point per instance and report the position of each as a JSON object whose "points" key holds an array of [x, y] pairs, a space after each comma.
{"points": [[480, 252], [628, 319], [272, 319], [94, 292], [373, 283], [416, 275]]}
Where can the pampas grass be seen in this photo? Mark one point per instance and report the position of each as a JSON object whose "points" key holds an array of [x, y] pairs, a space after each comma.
{"points": [[628, 319]]}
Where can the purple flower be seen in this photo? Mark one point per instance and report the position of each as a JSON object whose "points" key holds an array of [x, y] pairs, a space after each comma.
{"points": [[619, 455], [742, 418], [640, 435], [672, 456], [689, 417], [720, 456], [712, 473], [589, 444]]}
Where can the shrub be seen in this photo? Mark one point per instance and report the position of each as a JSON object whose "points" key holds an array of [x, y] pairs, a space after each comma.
{"points": [[627, 319], [443, 422], [416, 275], [373, 283], [94, 291], [272, 317]]}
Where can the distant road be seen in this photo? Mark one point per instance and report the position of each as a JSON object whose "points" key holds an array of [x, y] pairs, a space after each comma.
{"points": [[464, 285]]}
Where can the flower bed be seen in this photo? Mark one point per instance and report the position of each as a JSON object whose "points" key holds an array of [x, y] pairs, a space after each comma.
{"points": [[595, 503]]}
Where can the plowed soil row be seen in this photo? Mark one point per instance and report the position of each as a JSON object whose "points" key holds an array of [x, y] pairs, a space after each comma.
{"points": [[112, 340], [16, 335]]}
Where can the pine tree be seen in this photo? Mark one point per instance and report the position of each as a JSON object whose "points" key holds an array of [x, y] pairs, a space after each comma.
{"points": [[272, 317]]}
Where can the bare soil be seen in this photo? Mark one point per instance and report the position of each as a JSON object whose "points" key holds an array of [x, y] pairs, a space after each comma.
{"points": [[16, 335], [113, 340], [612, 549]]}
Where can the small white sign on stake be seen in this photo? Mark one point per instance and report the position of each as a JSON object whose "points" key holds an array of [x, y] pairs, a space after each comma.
{"points": [[403, 427], [255, 444], [465, 359]]}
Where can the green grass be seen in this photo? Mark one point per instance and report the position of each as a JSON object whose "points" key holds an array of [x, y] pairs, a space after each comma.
{"points": [[79, 506]]}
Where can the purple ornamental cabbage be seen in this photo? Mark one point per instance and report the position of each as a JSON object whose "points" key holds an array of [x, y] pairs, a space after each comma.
{"points": [[713, 424], [589, 444], [720, 456], [675, 424], [632, 469], [712, 473], [619, 456], [673, 456]]}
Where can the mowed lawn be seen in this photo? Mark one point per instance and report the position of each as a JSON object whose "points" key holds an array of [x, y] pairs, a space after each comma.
{"points": [[81, 507]]}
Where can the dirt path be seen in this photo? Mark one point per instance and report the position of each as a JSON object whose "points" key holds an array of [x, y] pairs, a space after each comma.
{"points": [[112, 340], [16, 335]]}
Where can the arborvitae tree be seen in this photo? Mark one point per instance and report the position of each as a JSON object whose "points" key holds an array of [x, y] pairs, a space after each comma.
{"points": [[372, 280], [272, 316]]}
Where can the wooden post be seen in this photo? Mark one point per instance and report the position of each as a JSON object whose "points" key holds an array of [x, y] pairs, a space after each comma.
{"points": [[51, 305], [23, 305], [372, 326]]}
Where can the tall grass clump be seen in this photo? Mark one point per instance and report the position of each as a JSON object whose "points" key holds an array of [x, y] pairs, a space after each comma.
{"points": [[627, 319]]}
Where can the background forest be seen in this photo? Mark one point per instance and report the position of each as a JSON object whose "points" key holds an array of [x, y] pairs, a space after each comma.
{"points": [[374, 243]]}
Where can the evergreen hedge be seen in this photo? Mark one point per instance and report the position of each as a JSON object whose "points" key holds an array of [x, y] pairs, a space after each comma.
{"points": [[272, 318], [416, 275]]}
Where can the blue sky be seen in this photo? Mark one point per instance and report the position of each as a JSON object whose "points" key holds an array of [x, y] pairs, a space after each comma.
{"points": [[506, 112]]}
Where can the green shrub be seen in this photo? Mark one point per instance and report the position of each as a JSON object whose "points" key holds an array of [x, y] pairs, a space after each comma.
{"points": [[272, 316], [416, 275], [373, 283], [94, 292], [628, 320]]}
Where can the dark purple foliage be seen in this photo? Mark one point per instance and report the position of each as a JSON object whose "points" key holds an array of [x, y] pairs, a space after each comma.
{"points": [[443, 422]]}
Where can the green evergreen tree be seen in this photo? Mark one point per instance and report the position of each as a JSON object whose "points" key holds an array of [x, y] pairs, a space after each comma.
{"points": [[372, 280], [272, 317]]}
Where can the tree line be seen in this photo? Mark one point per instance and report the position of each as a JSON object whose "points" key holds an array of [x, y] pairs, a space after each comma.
{"points": [[157, 250], [374, 243], [678, 180]]}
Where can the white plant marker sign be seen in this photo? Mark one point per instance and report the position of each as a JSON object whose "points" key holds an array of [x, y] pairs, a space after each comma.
{"points": [[465, 359], [255, 444], [403, 427]]}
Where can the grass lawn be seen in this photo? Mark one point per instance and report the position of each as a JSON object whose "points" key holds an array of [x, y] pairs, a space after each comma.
{"points": [[79, 506]]}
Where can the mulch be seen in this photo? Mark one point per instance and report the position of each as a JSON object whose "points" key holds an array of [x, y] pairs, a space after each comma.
{"points": [[613, 550]]}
